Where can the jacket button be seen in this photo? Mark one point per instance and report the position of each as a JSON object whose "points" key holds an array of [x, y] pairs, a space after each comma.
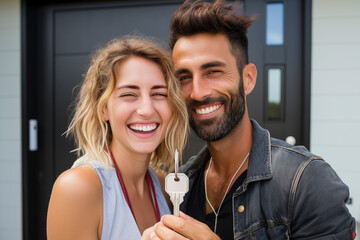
{"points": [[241, 209]]}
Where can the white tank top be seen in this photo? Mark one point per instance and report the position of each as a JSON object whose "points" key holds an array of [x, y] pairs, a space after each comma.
{"points": [[118, 221]]}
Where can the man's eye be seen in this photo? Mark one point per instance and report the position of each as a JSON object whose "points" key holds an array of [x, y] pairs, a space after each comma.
{"points": [[184, 77], [214, 71]]}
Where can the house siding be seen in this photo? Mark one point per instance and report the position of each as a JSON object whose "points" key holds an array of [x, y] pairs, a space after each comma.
{"points": [[10, 121], [335, 90]]}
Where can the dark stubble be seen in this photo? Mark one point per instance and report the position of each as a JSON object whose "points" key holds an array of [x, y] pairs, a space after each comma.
{"points": [[216, 128]]}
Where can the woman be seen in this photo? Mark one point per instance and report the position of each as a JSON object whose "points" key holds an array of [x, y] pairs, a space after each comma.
{"points": [[129, 114]]}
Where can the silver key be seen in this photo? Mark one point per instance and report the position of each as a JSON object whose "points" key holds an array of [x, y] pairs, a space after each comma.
{"points": [[176, 185]]}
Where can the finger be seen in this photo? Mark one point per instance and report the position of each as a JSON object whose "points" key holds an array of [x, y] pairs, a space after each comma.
{"points": [[178, 225], [191, 220], [187, 217], [153, 236], [188, 227], [147, 233], [184, 216], [163, 232]]}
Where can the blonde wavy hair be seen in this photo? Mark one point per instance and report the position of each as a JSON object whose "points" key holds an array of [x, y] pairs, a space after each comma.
{"points": [[92, 134]]}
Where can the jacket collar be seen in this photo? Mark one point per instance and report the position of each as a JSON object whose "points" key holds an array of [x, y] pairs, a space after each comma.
{"points": [[259, 167]]}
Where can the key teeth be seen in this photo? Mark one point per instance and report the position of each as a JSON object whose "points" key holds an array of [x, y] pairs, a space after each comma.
{"points": [[176, 200], [176, 190]]}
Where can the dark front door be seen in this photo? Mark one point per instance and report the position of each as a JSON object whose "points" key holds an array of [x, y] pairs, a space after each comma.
{"points": [[58, 41], [280, 100], [61, 38]]}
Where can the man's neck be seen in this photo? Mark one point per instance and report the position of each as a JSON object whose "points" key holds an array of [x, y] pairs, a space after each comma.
{"points": [[229, 152]]}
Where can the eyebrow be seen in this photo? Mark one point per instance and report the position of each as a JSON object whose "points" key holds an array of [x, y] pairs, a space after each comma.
{"points": [[181, 71], [203, 67], [137, 87], [212, 64], [159, 87]]}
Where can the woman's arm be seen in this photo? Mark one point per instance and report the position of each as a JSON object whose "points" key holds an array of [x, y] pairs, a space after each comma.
{"points": [[75, 207]]}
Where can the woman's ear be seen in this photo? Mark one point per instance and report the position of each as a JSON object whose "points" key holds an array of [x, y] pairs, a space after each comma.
{"points": [[249, 78], [105, 114]]}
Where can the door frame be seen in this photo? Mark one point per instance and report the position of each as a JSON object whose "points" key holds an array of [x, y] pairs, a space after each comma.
{"points": [[306, 111]]}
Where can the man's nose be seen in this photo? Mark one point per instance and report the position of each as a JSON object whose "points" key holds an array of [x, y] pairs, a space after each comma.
{"points": [[146, 107], [200, 88]]}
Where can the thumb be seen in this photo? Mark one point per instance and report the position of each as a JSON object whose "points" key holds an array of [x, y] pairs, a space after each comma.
{"points": [[185, 216], [190, 219], [201, 229]]}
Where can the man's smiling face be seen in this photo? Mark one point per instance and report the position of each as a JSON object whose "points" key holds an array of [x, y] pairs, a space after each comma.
{"points": [[211, 84]]}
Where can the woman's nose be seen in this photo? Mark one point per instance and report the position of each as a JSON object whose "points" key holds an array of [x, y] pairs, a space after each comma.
{"points": [[145, 107]]}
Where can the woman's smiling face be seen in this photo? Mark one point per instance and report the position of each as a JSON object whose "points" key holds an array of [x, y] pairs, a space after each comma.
{"points": [[138, 109]]}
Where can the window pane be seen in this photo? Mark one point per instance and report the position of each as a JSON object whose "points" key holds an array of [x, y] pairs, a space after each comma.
{"points": [[274, 94], [275, 24]]}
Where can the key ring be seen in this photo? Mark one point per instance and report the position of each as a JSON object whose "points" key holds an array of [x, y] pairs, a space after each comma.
{"points": [[176, 165]]}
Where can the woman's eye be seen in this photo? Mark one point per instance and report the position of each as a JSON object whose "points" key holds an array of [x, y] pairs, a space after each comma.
{"points": [[127, 95], [160, 94]]}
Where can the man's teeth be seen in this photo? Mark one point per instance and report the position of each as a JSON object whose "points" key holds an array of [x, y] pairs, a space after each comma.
{"points": [[143, 128], [207, 110]]}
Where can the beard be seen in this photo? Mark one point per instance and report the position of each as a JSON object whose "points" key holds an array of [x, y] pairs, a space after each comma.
{"points": [[216, 128]]}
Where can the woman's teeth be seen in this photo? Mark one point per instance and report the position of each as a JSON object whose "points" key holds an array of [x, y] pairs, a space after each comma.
{"points": [[143, 128]]}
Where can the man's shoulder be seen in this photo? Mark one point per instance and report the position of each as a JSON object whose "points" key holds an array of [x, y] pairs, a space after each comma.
{"points": [[271, 149], [291, 162], [282, 151]]}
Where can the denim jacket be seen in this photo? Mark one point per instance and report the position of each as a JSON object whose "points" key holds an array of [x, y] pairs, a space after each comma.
{"points": [[289, 193]]}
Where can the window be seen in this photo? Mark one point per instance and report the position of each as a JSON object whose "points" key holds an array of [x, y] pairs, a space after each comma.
{"points": [[274, 103], [274, 24]]}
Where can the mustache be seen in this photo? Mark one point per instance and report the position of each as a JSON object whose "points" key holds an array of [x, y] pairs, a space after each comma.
{"points": [[191, 103]]}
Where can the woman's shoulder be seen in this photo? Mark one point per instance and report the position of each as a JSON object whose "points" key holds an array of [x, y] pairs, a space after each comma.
{"points": [[82, 180], [78, 186], [76, 203]]}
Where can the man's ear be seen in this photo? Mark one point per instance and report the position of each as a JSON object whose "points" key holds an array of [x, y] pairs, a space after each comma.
{"points": [[249, 78]]}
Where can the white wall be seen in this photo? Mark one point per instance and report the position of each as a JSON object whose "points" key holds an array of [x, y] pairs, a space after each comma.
{"points": [[335, 90], [10, 121]]}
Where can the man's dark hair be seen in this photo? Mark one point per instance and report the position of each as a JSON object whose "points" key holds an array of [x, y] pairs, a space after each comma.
{"points": [[217, 17]]}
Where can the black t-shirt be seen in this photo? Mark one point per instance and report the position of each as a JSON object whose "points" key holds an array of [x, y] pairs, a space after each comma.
{"points": [[197, 202]]}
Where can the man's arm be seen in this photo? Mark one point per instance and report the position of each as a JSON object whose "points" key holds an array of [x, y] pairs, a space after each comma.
{"points": [[319, 207]]}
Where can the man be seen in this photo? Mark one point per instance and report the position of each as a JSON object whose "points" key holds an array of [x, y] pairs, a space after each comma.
{"points": [[243, 184]]}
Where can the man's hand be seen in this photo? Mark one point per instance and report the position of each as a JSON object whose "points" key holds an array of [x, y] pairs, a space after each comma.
{"points": [[148, 233], [183, 227]]}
